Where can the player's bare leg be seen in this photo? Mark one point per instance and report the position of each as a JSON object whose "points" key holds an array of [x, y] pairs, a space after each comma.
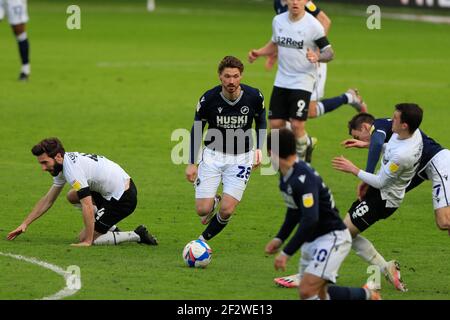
{"points": [[366, 250], [24, 47], [311, 286], [305, 143], [277, 123], [206, 207], [220, 220]]}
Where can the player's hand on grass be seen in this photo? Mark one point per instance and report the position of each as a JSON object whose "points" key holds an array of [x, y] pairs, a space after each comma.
{"points": [[252, 55], [273, 246], [281, 261], [13, 234], [362, 190], [257, 159], [312, 56], [82, 244], [354, 143], [191, 172], [345, 165]]}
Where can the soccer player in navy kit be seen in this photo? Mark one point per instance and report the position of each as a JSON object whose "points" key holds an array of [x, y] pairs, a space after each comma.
{"points": [[324, 239], [229, 110], [400, 162], [100, 188], [372, 133], [17, 13], [296, 36]]}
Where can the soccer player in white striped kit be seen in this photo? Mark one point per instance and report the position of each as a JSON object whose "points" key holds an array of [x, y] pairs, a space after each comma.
{"points": [[297, 36], [100, 188]]}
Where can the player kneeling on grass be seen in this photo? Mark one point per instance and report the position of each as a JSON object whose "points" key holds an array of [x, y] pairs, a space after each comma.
{"points": [[101, 188], [324, 239]]}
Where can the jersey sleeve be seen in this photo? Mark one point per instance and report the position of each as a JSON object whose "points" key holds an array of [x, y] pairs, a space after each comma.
{"points": [[307, 197], [76, 177], [388, 172], [260, 121], [197, 130], [394, 167], [375, 149], [59, 180], [274, 31], [312, 8], [319, 37]]}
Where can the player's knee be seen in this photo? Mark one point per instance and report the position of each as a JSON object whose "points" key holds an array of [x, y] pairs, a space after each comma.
{"points": [[72, 197], [226, 211], [203, 208], [298, 127], [277, 124]]}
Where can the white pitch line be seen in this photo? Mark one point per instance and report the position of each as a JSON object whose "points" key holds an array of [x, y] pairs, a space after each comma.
{"points": [[63, 293]]}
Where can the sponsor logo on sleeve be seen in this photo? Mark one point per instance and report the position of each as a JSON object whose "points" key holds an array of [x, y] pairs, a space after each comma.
{"points": [[311, 6], [76, 185], [393, 167], [308, 200]]}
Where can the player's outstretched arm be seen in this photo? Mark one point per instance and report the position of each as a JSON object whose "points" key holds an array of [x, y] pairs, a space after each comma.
{"points": [[354, 143], [39, 209], [345, 165], [325, 21], [89, 222], [268, 50]]}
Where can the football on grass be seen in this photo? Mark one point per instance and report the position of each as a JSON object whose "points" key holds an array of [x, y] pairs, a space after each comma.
{"points": [[197, 254]]}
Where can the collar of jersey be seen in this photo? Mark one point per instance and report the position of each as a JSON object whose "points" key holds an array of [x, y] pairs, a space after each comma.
{"points": [[232, 103]]}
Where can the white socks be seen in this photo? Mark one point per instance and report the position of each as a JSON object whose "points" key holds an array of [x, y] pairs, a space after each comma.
{"points": [[320, 109], [302, 145], [114, 238], [151, 5], [26, 68], [349, 98], [365, 249]]}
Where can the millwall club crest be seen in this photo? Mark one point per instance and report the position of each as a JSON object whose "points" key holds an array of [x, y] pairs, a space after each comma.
{"points": [[245, 110], [289, 189]]}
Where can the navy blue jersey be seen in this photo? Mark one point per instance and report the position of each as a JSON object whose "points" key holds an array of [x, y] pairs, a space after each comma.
{"points": [[281, 8], [310, 205], [230, 122], [383, 128]]}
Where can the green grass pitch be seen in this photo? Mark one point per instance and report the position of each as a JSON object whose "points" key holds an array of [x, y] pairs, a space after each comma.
{"points": [[124, 82]]}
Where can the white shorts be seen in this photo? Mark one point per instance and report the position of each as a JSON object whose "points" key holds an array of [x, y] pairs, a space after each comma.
{"points": [[438, 171], [233, 170], [324, 256], [16, 10], [319, 86]]}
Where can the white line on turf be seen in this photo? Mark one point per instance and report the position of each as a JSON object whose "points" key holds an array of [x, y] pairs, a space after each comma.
{"points": [[63, 293]]}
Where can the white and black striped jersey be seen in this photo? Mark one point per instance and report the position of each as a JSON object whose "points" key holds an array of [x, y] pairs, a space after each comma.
{"points": [[91, 172]]}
